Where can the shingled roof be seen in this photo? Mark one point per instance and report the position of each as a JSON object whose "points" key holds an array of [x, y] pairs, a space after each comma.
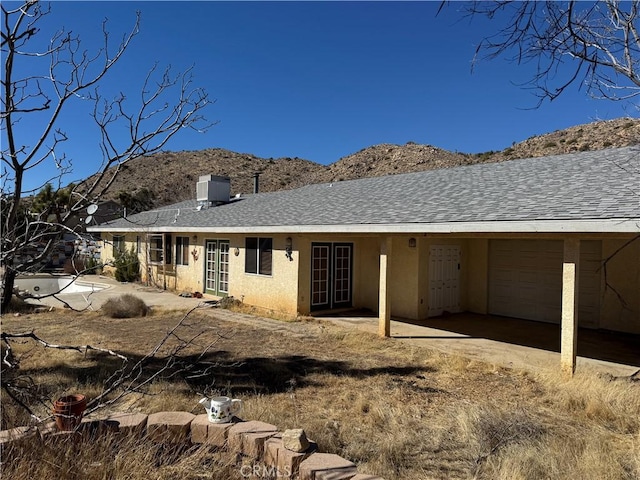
{"points": [[582, 192]]}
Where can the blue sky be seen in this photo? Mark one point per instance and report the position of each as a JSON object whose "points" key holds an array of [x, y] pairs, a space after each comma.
{"points": [[320, 80]]}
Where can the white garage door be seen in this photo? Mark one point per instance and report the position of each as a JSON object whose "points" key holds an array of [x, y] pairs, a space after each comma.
{"points": [[525, 280]]}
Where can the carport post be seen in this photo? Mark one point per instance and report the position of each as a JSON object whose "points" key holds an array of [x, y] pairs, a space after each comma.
{"points": [[569, 328], [384, 310]]}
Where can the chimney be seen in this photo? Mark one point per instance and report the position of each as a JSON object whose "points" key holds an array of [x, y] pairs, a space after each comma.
{"points": [[256, 182]]}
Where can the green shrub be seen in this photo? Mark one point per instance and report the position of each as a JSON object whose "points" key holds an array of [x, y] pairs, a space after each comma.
{"points": [[125, 306], [91, 265], [127, 265], [550, 144]]}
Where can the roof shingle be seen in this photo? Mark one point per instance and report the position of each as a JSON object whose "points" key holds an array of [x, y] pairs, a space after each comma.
{"points": [[598, 185]]}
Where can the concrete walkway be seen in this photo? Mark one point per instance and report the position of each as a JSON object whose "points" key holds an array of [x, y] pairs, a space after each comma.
{"points": [[503, 341]]}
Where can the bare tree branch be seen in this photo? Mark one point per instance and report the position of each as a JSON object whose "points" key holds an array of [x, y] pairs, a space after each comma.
{"points": [[166, 359], [593, 44], [39, 83]]}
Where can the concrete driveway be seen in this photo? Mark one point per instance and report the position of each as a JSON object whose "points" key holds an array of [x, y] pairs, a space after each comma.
{"points": [[511, 342]]}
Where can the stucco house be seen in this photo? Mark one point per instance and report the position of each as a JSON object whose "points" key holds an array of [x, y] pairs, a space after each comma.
{"points": [[550, 239]]}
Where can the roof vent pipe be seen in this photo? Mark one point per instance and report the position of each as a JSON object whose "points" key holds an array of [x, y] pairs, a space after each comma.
{"points": [[256, 182]]}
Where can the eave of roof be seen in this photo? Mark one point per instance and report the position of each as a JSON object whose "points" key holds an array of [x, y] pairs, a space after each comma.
{"points": [[623, 225]]}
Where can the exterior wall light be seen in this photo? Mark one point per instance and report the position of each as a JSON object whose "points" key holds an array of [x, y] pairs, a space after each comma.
{"points": [[412, 242]]}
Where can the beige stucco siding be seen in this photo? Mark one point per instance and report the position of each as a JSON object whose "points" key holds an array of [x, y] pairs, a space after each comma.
{"points": [[190, 278], [404, 279], [367, 273], [621, 313], [477, 268], [278, 291]]}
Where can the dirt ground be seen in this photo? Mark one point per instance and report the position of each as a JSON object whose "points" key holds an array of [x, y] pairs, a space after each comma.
{"points": [[396, 409]]}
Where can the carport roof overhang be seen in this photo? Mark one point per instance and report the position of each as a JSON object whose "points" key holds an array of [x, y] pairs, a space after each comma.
{"points": [[586, 226]]}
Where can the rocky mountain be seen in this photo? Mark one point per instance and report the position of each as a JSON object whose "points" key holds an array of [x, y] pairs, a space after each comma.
{"points": [[172, 176]]}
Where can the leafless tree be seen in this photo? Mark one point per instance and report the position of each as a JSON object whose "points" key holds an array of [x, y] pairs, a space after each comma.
{"points": [[595, 44], [40, 82]]}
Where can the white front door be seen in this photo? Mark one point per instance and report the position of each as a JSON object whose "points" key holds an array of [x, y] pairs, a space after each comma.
{"points": [[444, 279], [216, 266]]}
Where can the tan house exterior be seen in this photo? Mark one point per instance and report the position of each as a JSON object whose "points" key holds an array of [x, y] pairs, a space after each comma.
{"points": [[549, 239]]}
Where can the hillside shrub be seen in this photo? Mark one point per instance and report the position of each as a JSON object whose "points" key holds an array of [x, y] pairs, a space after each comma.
{"points": [[127, 265], [125, 306]]}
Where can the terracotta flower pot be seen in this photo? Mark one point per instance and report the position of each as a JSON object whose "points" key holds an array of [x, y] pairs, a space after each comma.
{"points": [[68, 411]]}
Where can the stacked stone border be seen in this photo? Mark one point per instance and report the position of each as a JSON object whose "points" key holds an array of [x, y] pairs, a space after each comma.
{"points": [[258, 446]]}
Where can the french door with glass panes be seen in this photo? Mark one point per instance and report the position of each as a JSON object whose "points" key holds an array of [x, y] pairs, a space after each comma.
{"points": [[217, 267], [331, 275]]}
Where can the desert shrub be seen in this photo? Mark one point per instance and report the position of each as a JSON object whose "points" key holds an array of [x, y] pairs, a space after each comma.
{"points": [[127, 265], [91, 265], [17, 305], [549, 144], [229, 302], [125, 306]]}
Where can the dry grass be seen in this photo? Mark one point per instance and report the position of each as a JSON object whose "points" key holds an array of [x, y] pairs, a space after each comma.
{"points": [[395, 409], [110, 456]]}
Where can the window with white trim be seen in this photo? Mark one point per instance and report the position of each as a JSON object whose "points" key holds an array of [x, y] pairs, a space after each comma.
{"points": [[182, 250], [155, 249], [258, 255], [118, 244]]}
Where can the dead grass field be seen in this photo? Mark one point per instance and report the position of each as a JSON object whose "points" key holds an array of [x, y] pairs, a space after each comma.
{"points": [[398, 411]]}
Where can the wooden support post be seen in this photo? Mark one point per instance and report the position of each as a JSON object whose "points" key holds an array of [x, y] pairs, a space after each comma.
{"points": [[569, 328], [384, 308]]}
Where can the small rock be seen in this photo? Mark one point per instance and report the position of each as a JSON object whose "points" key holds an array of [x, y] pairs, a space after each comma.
{"points": [[16, 314], [295, 440]]}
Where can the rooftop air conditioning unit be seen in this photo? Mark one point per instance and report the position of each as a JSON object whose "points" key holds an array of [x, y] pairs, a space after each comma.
{"points": [[213, 190]]}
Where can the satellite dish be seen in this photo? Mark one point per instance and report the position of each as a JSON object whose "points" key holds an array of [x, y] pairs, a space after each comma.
{"points": [[91, 209]]}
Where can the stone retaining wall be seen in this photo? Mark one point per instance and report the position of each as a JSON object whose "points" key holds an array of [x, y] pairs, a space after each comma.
{"points": [[258, 445]]}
